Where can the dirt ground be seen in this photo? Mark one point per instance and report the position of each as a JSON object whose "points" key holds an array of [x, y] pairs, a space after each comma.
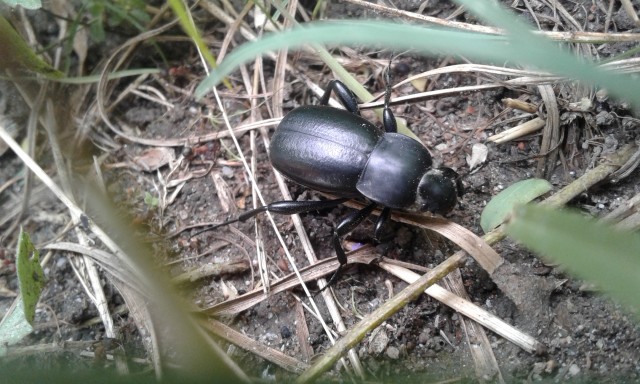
{"points": [[587, 336]]}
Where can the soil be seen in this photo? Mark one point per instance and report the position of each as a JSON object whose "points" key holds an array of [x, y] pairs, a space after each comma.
{"points": [[587, 336]]}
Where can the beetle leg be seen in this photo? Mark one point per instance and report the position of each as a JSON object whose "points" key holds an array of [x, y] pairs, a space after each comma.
{"points": [[344, 94], [281, 207], [381, 223], [348, 224], [290, 207]]}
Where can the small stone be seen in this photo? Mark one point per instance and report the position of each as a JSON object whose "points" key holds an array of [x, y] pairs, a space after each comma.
{"points": [[602, 95], [442, 147], [550, 366], [423, 338], [378, 341], [227, 172], [574, 370], [393, 353]]}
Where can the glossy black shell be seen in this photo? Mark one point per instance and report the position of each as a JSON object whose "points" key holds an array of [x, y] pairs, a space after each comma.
{"points": [[335, 151]]}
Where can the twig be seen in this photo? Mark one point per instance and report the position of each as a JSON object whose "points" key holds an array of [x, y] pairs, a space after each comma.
{"points": [[386, 310], [211, 270], [518, 131]]}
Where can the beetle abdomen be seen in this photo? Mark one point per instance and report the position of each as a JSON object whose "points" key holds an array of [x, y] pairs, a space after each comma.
{"points": [[323, 148]]}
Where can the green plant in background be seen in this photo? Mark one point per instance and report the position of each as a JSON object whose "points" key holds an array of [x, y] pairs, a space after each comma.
{"points": [[150, 200], [16, 55], [114, 14], [29, 4], [588, 249], [18, 322], [501, 205]]}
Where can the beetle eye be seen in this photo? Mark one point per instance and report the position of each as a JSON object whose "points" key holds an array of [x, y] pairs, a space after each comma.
{"points": [[438, 190]]}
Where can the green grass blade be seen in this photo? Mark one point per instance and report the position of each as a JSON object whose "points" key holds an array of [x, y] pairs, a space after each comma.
{"points": [[14, 327], [545, 54], [28, 4], [501, 205], [30, 274], [15, 54], [363, 32], [430, 40], [588, 249]]}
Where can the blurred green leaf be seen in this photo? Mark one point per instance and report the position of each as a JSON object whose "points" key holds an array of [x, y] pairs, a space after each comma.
{"points": [[191, 30], [96, 28], [150, 200], [28, 4], [588, 249], [501, 205], [14, 327], [30, 274], [17, 55]]}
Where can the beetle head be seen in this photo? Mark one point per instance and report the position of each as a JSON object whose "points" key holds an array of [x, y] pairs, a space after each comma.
{"points": [[438, 190]]}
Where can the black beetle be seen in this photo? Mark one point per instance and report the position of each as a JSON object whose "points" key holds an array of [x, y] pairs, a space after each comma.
{"points": [[338, 151]]}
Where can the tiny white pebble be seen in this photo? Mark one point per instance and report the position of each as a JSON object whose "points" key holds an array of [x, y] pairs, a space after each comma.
{"points": [[441, 147]]}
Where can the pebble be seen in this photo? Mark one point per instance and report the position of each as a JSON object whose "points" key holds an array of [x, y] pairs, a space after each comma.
{"points": [[227, 172], [393, 353], [574, 370]]}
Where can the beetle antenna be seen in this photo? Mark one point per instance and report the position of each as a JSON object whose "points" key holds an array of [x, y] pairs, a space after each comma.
{"points": [[387, 80], [388, 120]]}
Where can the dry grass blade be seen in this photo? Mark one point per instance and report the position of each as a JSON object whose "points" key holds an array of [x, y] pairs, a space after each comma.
{"points": [[550, 135], [479, 69], [366, 256], [518, 131], [628, 7], [302, 333], [248, 300], [232, 336], [468, 309], [211, 270], [181, 142], [603, 171], [112, 64], [103, 258], [627, 215], [329, 300], [477, 340], [482, 252], [521, 81]]}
